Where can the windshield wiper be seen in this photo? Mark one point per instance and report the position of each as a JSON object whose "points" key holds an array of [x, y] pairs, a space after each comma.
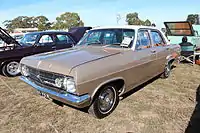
{"points": [[114, 44], [95, 42]]}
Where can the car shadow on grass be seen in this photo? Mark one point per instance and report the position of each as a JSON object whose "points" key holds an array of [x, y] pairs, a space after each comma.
{"points": [[140, 87], [194, 123], [124, 96]]}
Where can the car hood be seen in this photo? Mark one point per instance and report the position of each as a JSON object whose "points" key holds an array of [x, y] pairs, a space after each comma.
{"points": [[4, 36], [63, 61], [179, 28]]}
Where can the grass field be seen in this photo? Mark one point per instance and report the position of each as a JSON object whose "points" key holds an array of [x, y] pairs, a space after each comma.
{"points": [[161, 106]]}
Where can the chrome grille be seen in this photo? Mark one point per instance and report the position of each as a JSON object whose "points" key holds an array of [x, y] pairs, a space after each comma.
{"points": [[43, 77]]}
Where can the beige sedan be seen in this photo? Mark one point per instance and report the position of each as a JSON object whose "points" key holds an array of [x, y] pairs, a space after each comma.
{"points": [[106, 63]]}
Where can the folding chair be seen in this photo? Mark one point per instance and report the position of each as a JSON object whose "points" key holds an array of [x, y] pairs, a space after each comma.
{"points": [[196, 54], [187, 54]]}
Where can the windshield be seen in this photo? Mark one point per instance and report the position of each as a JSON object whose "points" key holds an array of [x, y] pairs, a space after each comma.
{"points": [[29, 39], [18, 37], [111, 37]]}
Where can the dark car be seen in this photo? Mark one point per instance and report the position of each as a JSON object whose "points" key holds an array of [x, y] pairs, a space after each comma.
{"points": [[34, 43]]}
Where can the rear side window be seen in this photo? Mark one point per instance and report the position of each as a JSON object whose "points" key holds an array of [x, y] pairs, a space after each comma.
{"points": [[64, 38], [143, 40], [157, 38]]}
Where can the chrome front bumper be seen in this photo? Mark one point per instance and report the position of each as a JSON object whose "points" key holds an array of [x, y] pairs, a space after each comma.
{"points": [[73, 100]]}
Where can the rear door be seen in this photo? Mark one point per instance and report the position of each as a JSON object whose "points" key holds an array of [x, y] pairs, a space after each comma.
{"points": [[161, 48], [145, 55], [45, 43], [63, 41]]}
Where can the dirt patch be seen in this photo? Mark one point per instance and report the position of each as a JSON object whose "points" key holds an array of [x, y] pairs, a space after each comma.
{"points": [[162, 106]]}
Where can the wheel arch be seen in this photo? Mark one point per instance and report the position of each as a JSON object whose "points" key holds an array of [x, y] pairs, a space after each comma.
{"points": [[8, 60], [170, 59], [119, 81]]}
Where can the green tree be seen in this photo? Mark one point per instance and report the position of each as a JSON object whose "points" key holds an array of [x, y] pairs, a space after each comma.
{"points": [[18, 22], [68, 20], [7, 24], [133, 19], [42, 23], [193, 18], [147, 23]]}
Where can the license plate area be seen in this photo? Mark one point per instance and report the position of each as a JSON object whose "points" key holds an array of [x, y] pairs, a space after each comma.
{"points": [[45, 95]]}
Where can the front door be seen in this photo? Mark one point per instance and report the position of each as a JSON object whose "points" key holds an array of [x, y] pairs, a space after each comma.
{"points": [[63, 41], [46, 43]]}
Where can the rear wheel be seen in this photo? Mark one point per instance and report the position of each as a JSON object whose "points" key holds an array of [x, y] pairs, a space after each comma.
{"points": [[11, 69], [106, 100], [167, 71]]}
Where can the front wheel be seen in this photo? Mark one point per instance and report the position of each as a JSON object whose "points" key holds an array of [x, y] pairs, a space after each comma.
{"points": [[11, 69], [105, 102]]}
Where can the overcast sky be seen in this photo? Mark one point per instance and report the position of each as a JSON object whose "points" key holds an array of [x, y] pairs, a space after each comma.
{"points": [[101, 12]]}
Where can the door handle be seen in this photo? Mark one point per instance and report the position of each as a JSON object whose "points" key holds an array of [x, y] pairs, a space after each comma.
{"points": [[53, 47]]}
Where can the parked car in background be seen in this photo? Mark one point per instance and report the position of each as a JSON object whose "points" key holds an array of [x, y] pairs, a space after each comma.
{"points": [[106, 63], [34, 43], [17, 36], [175, 31], [1, 43]]}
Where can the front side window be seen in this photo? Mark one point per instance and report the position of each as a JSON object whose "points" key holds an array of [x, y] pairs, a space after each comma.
{"points": [[157, 38], [143, 40], [45, 39], [29, 39], [102, 37], [64, 38]]}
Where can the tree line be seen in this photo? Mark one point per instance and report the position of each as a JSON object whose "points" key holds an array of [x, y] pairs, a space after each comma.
{"points": [[68, 20]]}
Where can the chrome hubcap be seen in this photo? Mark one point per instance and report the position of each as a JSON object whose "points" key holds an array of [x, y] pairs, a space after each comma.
{"points": [[167, 70], [106, 100], [12, 68]]}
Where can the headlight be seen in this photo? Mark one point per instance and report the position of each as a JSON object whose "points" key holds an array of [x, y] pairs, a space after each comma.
{"points": [[24, 70], [69, 85], [59, 82]]}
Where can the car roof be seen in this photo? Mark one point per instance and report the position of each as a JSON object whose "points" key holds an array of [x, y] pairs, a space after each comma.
{"points": [[134, 27], [49, 32]]}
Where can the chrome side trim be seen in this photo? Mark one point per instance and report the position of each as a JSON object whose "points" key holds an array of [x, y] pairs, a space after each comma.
{"points": [[73, 100]]}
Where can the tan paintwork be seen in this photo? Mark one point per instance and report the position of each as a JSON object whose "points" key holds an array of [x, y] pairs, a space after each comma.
{"points": [[93, 66]]}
